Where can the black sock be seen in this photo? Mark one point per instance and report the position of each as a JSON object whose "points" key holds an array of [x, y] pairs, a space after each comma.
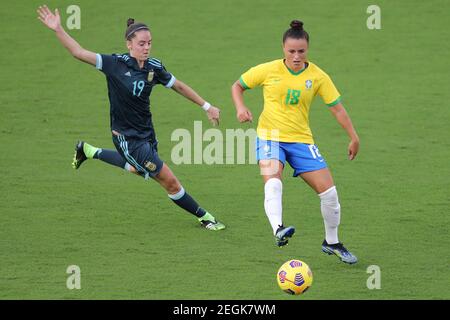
{"points": [[110, 156], [189, 204]]}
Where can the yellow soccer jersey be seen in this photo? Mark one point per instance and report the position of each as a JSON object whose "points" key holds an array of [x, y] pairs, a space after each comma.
{"points": [[287, 99]]}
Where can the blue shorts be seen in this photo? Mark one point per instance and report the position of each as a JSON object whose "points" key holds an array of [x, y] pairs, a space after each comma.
{"points": [[141, 154], [302, 157]]}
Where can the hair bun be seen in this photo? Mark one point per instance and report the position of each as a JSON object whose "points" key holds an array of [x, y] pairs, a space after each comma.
{"points": [[296, 24], [130, 21]]}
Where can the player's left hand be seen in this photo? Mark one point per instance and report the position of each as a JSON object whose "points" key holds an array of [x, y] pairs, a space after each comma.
{"points": [[353, 148], [213, 115]]}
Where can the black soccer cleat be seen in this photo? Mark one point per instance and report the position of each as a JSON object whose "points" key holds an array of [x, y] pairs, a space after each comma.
{"points": [[79, 157], [340, 251], [283, 234]]}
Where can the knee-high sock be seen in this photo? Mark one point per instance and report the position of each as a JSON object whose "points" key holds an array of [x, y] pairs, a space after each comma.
{"points": [[112, 157], [331, 213], [185, 201], [273, 190]]}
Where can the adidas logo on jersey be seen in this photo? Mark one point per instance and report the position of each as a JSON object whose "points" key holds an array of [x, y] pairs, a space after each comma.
{"points": [[128, 74]]}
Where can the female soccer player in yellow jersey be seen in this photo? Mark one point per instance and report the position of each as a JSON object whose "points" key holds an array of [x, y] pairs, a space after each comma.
{"points": [[289, 86]]}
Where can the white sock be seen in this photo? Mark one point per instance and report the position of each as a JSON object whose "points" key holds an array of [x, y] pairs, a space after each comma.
{"points": [[178, 195], [331, 213], [273, 190]]}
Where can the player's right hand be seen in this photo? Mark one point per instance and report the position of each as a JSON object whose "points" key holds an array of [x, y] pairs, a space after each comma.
{"points": [[50, 19], [244, 115], [353, 148]]}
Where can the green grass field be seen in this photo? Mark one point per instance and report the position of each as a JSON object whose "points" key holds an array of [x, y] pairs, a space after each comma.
{"points": [[131, 242]]}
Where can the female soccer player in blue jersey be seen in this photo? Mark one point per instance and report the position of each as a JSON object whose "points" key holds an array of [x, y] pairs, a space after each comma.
{"points": [[289, 86], [131, 77]]}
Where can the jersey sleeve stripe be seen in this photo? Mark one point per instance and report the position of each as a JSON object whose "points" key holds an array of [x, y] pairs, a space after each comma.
{"points": [[335, 102], [243, 84], [155, 64], [171, 82], [155, 60], [98, 61]]}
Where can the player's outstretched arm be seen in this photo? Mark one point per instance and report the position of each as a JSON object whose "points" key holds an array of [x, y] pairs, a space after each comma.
{"points": [[243, 114], [344, 120], [53, 22], [189, 93]]}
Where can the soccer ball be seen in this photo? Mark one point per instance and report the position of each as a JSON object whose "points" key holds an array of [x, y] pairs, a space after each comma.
{"points": [[294, 277]]}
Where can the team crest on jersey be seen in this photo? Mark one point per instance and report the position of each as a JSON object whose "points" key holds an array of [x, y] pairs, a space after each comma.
{"points": [[308, 84], [150, 165], [150, 76]]}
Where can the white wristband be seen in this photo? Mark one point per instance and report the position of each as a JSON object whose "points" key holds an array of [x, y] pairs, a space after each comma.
{"points": [[206, 106]]}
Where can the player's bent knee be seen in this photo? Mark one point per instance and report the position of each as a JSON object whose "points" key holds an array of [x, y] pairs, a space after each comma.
{"points": [[174, 189], [130, 168], [271, 168], [172, 185]]}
